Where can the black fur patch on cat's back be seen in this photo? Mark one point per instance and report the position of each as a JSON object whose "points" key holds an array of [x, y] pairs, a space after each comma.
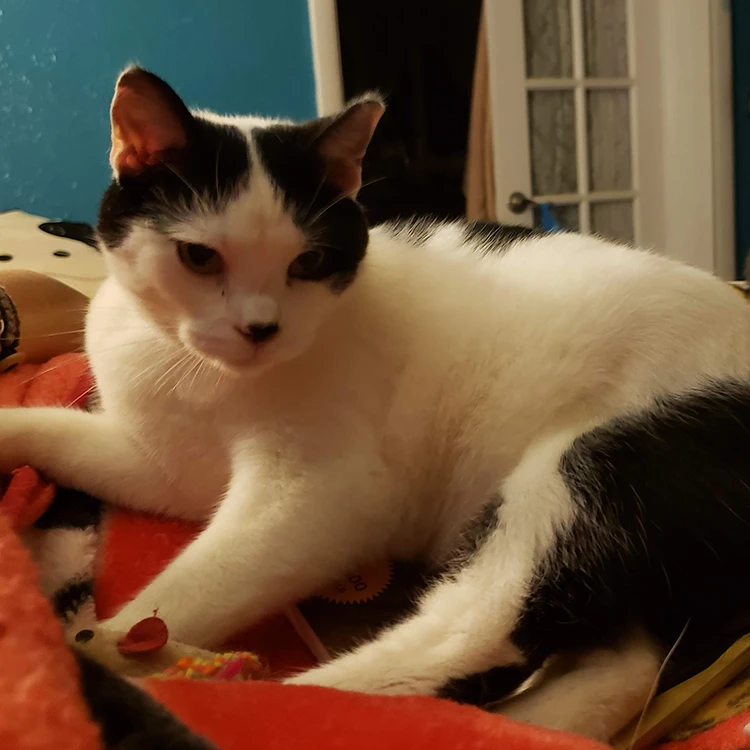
{"points": [[214, 166], [661, 536], [333, 223], [660, 540], [492, 236]]}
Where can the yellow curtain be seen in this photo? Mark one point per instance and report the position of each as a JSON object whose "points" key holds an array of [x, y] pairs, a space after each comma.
{"points": [[479, 182]]}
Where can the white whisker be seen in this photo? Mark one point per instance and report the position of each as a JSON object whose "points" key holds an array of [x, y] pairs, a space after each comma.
{"points": [[313, 199], [342, 197], [91, 389], [654, 687]]}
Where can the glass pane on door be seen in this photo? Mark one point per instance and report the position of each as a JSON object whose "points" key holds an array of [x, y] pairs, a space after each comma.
{"points": [[547, 36], [613, 220], [605, 33], [552, 142], [580, 140], [568, 217], [610, 154]]}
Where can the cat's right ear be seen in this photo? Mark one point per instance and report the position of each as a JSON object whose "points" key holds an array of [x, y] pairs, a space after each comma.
{"points": [[150, 123], [344, 140]]}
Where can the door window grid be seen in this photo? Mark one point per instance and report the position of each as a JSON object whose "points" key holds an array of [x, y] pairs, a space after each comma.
{"points": [[582, 160]]}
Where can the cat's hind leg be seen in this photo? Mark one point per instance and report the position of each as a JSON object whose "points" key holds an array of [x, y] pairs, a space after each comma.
{"points": [[464, 624], [597, 695]]}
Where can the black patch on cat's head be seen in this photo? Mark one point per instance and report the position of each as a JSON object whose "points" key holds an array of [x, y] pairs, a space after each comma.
{"points": [[305, 162], [214, 166], [195, 163], [210, 166], [334, 224]]}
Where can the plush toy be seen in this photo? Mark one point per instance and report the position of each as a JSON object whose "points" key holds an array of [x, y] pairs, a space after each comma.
{"points": [[146, 651]]}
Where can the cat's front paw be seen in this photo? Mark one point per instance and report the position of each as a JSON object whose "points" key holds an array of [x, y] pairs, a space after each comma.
{"points": [[13, 425]]}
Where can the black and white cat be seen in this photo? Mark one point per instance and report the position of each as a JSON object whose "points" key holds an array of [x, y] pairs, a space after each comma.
{"points": [[562, 421]]}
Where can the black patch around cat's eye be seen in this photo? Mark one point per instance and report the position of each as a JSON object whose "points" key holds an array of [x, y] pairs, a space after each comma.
{"points": [[332, 223], [306, 266], [213, 168], [200, 259]]}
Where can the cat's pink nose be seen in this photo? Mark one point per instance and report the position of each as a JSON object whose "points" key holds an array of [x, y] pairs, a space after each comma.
{"points": [[259, 332]]}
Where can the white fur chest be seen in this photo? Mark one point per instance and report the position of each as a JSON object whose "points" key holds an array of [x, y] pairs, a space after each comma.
{"points": [[147, 383]]}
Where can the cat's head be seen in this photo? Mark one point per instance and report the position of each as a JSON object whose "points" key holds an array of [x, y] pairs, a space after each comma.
{"points": [[237, 234]]}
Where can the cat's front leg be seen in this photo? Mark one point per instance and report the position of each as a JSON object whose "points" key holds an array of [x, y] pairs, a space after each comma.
{"points": [[464, 624], [277, 536], [89, 452], [455, 633]]}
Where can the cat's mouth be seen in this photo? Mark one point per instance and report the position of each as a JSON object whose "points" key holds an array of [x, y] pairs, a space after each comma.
{"points": [[233, 353]]}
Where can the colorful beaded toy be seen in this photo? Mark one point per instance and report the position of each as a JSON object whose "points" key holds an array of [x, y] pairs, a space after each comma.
{"points": [[234, 665]]}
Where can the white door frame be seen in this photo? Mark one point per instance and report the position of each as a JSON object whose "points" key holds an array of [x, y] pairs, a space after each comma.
{"points": [[326, 53], [697, 135], [683, 136]]}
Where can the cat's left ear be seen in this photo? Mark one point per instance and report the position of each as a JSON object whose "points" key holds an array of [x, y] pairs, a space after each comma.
{"points": [[150, 123], [343, 143]]}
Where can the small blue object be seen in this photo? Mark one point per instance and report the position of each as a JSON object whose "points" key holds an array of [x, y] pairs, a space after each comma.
{"points": [[549, 222]]}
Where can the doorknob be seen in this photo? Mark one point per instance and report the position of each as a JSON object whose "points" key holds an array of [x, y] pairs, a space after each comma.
{"points": [[518, 202]]}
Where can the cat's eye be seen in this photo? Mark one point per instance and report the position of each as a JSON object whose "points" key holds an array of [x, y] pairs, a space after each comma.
{"points": [[306, 265], [199, 258]]}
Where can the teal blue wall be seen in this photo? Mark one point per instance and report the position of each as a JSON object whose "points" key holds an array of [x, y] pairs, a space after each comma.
{"points": [[59, 60]]}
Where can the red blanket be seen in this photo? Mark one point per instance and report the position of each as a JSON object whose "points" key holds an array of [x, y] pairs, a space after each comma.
{"points": [[136, 547]]}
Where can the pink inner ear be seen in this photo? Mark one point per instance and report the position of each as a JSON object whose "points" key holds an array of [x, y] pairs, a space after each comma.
{"points": [[144, 126], [344, 144]]}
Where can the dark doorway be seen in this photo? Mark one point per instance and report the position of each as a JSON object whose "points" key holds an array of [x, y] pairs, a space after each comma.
{"points": [[420, 55]]}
